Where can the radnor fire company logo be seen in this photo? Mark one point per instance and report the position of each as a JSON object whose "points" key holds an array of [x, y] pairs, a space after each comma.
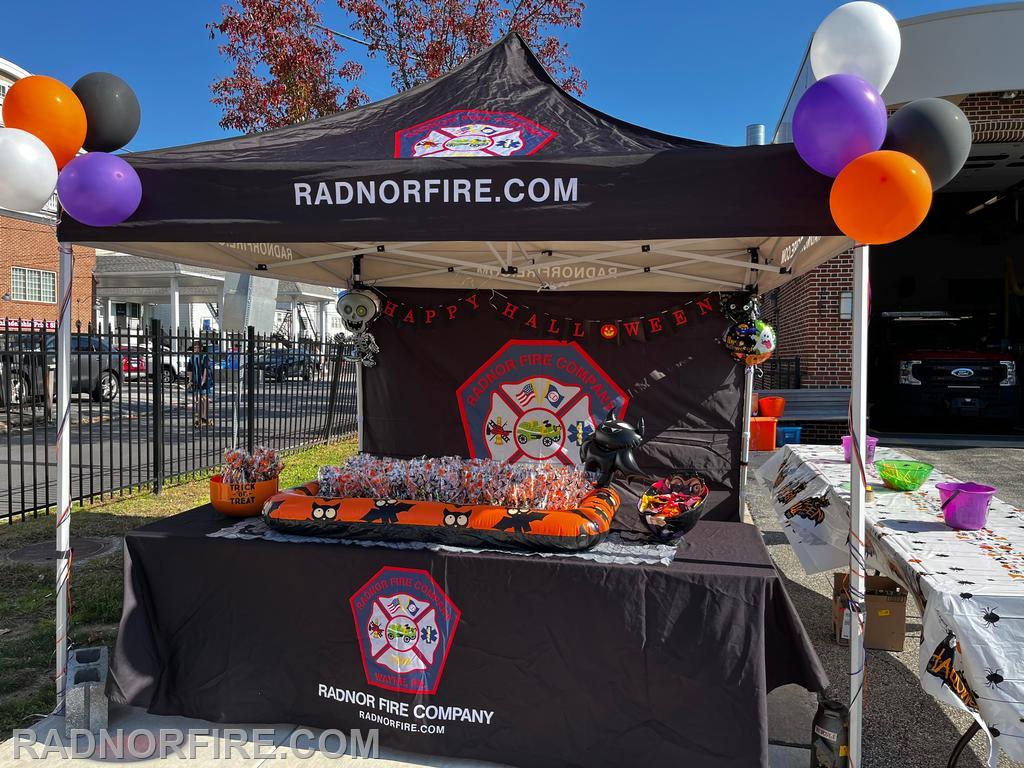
{"points": [[473, 133], [536, 401], [405, 624]]}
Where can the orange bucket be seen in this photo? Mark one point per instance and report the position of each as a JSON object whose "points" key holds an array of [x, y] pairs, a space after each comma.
{"points": [[762, 433], [771, 406], [240, 499]]}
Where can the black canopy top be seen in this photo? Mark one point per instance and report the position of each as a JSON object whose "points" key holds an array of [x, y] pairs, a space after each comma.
{"points": [[494, 151]]}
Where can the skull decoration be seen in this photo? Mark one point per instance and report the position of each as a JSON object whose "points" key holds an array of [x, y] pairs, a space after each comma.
{"points": [[610, 449], [359, 308]]}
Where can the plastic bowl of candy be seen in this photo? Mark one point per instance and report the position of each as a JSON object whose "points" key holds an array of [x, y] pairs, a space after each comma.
{"points": [[671, 507], [241, 499], [903, 475]]}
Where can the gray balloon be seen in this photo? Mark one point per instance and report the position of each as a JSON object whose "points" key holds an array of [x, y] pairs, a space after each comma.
{"points": [[111, 111], [935, 133]]}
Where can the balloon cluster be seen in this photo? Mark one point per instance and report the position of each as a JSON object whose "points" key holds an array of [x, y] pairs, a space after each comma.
{"points": [[885, 170], [47, 124], [749, 339]]}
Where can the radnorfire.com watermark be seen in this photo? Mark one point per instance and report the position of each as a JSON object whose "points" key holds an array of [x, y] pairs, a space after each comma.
{"points": [[208, 743]]}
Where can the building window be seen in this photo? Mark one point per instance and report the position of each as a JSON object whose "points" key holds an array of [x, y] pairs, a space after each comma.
{"points": [[33, 285], [846, 305]]}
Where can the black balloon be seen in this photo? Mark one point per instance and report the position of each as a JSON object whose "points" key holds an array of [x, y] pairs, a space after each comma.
{"points": [[111, 111], [935, 133]]}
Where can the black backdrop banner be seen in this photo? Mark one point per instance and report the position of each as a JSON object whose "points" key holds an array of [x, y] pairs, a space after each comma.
{"points": [[488, 388]]}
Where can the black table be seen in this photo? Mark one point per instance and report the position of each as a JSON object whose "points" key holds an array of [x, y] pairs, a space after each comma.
{"points": [[552, 662]]}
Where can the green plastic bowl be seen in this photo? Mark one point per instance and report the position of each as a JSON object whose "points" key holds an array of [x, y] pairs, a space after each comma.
{"points": [[903, 475]]}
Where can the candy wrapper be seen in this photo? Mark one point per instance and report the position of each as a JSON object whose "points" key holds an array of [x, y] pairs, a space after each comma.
{"points": [[454, 480], [240, 467]]}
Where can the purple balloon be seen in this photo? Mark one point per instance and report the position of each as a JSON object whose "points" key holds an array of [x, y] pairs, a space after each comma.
{"points": [[99, 190], [838, 119]]}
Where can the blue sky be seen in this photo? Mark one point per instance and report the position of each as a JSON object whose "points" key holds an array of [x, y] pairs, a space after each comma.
{"points": [[698, 69]]}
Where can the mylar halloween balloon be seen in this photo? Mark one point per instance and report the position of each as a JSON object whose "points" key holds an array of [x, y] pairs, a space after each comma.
{"points": [[359, 308], [750, 342], [609, 450]]}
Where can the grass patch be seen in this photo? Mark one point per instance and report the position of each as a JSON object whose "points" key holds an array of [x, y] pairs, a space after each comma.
{"points": [[27, 591]]}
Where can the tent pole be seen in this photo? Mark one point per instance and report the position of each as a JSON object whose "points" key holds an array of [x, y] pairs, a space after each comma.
{"points": [[359, 406], [748, 397], [858, 404], [63, 451]]}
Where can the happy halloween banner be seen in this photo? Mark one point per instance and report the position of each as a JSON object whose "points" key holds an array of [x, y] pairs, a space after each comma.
{"points": [[534, 321]]}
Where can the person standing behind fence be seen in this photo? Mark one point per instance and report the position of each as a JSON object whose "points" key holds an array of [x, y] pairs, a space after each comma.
{"points": [[200, 381]]}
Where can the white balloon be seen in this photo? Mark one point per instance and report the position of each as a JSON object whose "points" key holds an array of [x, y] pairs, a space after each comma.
{"points": [[28, 172], [860, 39]]}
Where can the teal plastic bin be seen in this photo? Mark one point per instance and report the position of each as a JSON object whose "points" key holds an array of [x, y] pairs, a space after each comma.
{"points": [[787, 435]]}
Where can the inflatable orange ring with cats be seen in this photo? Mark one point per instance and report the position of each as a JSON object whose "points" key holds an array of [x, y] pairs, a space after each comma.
{"points": [[300, 510]]}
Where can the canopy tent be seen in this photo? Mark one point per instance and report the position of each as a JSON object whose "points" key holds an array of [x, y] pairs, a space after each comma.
{"points": [[488, 177], [489, 167]]}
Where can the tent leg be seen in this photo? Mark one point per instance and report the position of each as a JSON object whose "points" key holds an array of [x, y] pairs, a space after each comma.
{"points": [[63, 451], [748, 397], [858, 397]]}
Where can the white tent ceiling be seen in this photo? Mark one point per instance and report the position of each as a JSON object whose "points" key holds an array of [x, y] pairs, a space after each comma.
{"points": [[725, 264]]}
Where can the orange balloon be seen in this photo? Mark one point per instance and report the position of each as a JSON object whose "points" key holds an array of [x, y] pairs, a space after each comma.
{"points": [[880, 197], [49, 110]]}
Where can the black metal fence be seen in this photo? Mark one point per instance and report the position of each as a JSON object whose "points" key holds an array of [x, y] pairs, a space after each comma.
{"points": [[147, 407], [779, 373]]}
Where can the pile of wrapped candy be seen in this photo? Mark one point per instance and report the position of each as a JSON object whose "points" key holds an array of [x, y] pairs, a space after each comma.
{"points": [[454, 480], [670, 497], [241, 467]]}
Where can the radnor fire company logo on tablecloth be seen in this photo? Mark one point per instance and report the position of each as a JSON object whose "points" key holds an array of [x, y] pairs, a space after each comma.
{"points": [[536, 401], [405, 624], [472, 133]]}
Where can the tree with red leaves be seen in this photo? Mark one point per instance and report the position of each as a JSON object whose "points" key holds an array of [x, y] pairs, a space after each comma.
{"points": [[286, 61], [285, 66], [422, 39]]}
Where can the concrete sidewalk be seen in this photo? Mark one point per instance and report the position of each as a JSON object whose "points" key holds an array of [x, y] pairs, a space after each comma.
{"points": [[253, 746]]}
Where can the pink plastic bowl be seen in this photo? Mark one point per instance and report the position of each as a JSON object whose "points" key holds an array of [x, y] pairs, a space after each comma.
{"points": [[872, 444], [968, 509]]}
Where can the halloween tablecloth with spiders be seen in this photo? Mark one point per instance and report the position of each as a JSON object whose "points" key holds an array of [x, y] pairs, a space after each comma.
{"points": [[969, 584]]}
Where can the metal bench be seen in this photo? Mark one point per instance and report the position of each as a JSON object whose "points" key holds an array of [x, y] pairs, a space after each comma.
{"points": [[807, 405]]}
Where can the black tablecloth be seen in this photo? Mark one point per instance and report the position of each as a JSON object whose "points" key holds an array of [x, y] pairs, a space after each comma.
{"points": [[553, 662]]}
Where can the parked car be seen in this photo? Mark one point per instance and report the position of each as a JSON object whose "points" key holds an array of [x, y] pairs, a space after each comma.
{"points": [[134, 362], [22, 374], [96, 367], [172, 364], [280, 364]]}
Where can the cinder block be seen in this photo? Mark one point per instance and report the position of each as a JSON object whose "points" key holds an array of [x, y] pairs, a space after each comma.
{"points": [[85, 700]]}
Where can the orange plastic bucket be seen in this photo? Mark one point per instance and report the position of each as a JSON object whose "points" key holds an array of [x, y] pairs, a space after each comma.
{"points": [[240, 499], [762, 433], [771, 406]]}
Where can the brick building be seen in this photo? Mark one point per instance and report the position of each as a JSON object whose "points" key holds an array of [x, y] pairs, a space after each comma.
{"points": [[28, 274], [813, 313]]}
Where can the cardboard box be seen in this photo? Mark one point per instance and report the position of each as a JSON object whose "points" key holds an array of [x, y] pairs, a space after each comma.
{"points": [[885, 605]]}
